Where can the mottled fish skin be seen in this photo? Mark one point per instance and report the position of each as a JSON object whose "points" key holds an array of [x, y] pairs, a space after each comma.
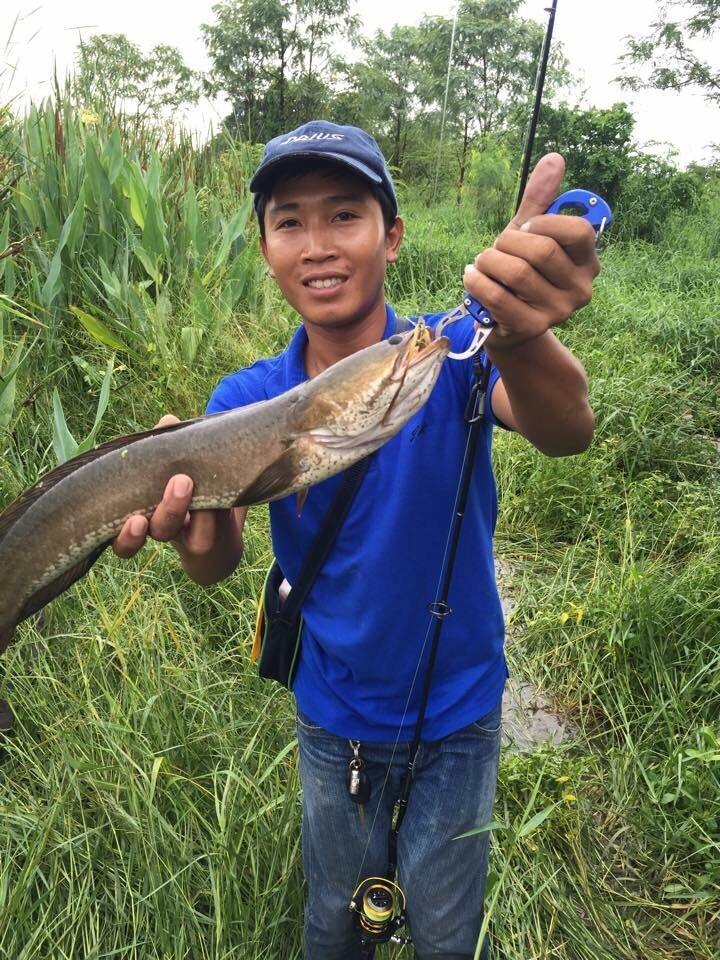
{"points": [[249, 455]]}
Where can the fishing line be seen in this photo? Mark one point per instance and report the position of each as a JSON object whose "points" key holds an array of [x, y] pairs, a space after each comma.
{"points": [[441, 575], [445, 100]]}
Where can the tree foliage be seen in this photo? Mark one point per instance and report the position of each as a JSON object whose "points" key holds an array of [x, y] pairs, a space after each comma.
{"points": [[597, 144], [115, 78], [271, 59], [382, 88], [666, 56], [448, 99], [494, 62]]}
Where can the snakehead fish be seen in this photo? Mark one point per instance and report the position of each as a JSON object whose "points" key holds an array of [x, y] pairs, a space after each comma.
{"points": [[54, 532]]}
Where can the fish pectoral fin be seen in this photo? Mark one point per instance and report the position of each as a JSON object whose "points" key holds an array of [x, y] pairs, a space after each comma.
{"points": [[45, 594], [273, 482], [300, 498]]}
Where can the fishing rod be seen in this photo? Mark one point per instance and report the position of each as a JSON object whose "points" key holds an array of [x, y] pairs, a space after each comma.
{"points": [[378, 904], [539, 87]]}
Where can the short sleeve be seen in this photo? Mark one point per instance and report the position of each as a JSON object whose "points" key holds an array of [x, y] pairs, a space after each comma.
{"points": [[235, 390], [488, 410]]}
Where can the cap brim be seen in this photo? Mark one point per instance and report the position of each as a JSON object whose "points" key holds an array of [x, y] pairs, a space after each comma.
{"points": [[268, 171]]}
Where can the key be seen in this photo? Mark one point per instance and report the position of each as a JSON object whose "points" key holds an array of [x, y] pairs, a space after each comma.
{"points": [[358, 782], [359, 787]]}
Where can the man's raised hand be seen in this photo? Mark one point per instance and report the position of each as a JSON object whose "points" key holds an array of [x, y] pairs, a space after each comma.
{"points": [[540, 269]]}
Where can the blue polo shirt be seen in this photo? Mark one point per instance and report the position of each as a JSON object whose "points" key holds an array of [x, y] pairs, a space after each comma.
{"points": [[366, 620]]}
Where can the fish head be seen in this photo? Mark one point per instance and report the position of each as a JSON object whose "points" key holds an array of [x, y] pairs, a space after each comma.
{"points": [[367, 397]]}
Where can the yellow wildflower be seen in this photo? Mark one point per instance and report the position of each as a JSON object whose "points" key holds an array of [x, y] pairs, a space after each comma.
{"points": [[88, 117], [574, 611], [569, 798]]}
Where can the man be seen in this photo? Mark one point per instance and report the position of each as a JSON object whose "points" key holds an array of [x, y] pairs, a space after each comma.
{"points": [[329, 226]]}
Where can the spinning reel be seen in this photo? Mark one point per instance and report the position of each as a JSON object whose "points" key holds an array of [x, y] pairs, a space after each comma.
{"points": [[378, 908]]}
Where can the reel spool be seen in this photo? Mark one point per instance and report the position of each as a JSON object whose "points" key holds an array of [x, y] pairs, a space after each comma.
{"points": [[378, 909]]}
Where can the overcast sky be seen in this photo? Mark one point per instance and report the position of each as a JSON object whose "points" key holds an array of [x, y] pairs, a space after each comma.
{"points": [[592, 33]]}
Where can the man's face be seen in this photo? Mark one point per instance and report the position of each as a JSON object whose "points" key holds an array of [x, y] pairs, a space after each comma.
{"points": [[326, 245]]}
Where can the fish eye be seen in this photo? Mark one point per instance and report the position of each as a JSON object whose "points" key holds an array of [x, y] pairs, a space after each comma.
{"points": [[396, 338]]}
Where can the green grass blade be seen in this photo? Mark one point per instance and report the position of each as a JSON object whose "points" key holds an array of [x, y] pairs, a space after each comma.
{"points": [[97, 329]]}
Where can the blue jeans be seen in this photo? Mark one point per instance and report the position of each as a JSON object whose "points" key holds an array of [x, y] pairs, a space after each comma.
{"points": [[443, 879]]}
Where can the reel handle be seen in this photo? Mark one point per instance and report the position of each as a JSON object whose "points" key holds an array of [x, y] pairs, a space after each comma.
{"points": [[592, 208]]}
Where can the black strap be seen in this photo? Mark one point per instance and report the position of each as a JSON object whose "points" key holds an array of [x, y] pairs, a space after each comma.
{"points": [[325, 537]]}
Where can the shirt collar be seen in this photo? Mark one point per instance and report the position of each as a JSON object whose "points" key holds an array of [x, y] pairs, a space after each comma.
{"points": [[290, 371]]}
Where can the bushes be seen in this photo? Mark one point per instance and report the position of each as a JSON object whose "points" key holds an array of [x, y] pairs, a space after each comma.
{"points": [[652, 191], [491, 184]]}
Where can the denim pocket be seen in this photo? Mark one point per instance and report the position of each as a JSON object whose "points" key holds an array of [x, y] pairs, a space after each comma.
{"points": [[306, 725], [491, 724]]}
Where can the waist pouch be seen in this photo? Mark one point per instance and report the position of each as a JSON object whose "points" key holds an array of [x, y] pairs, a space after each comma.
{"points": [[276, 645]]}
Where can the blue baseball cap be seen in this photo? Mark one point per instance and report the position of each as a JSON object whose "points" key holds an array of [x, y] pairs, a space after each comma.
{"points": [[319, 139]]}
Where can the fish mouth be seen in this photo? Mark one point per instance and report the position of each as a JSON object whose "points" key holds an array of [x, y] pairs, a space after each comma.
{"points": [[421, 344]]}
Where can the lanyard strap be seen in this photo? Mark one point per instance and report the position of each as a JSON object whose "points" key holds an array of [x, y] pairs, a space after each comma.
{"points": [[334, 519]]}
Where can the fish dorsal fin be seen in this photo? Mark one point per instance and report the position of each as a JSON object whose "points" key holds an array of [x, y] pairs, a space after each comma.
{"points": [[17, 508], [45, 594]]}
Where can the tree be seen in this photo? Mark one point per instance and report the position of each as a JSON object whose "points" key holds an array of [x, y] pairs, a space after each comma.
{"points": [[666, 54], [114, 78], [495, 56], [320, 21], [600, 155], [272, 59], [248, 45], [382, 89]]}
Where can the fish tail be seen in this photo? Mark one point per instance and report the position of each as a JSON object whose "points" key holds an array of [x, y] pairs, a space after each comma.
{"points": [[7, 717]]}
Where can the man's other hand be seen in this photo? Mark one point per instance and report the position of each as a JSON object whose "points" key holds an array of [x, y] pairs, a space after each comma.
{"points": [[192, 533]]}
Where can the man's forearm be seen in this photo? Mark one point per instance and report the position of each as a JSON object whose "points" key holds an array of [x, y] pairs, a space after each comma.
{"points": [[222, 557], [548, 393]]}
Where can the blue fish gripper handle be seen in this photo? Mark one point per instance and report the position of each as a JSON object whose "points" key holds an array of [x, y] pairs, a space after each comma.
{"points": [[590, 206]]}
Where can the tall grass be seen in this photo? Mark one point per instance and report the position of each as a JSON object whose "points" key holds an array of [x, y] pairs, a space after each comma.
{"points": [[149, 800]]}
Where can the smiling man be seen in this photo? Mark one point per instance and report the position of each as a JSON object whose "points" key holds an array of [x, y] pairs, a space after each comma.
{"points": [[329, 227]]}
